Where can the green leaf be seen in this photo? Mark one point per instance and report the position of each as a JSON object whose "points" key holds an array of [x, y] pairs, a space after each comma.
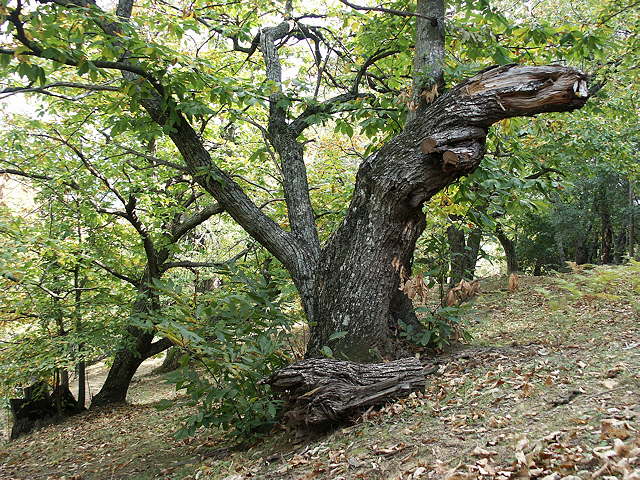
{"points": [[326, 351], [337, 335]]}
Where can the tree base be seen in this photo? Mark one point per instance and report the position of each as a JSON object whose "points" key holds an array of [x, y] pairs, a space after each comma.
{"points": [[321, 392], [40, 408]]}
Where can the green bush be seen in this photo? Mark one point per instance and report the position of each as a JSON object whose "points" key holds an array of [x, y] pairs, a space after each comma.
{"points": [[438, 328], [234, 340]]}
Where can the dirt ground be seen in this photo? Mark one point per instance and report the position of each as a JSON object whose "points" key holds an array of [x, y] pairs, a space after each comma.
{"points": [[548, 388]]}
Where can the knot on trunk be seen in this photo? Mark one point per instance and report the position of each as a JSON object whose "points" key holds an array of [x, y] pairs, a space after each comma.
{"points": [[461, 148]]}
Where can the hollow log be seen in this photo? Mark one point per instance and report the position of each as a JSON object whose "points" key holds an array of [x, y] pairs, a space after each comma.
{"points": [[322, 392]]}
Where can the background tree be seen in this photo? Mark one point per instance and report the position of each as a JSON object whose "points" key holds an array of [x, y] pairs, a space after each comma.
{"points": [[156, 203]]}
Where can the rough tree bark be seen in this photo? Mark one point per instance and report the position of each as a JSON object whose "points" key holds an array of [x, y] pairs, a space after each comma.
{"points": [[361, 266], [323, 391]]}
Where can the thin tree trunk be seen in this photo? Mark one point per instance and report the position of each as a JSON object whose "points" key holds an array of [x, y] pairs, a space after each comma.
{"points": [[473, 250], [137, 346], [125, 364], [631, 228], [606, 245], [463, 253], [537, 269], [582, 251], [81, 365], [560, 247], [171, 361], [428, 61], [82, 383], [619, 246], [509, 248], [457, 254]]}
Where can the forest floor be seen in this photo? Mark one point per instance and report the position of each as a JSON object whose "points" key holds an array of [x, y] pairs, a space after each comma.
{"points": [[549, 387]]}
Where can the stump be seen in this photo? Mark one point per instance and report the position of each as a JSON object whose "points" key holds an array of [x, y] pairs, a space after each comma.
{"points": [[321, 392], [39, 408]]}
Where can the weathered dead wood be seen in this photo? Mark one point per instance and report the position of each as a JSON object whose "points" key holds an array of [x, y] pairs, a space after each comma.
{"points": [[322, 391]]}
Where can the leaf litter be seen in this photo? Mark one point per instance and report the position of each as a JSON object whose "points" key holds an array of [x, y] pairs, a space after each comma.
{"points": [[548, 389]]}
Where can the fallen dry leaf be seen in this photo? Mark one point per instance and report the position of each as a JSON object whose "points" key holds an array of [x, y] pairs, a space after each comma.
{"points": [[613, 428], [481, 452]]}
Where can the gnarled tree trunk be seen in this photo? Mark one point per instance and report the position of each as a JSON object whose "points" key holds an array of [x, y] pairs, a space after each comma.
{"points": [[360, 269]]}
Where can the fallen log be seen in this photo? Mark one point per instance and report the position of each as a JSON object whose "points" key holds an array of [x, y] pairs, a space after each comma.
{"points": [[322, 392]]}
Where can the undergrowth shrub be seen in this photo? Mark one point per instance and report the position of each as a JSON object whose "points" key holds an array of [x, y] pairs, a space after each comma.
{"points": [[438, 327], [235, 336], [613, 283]]}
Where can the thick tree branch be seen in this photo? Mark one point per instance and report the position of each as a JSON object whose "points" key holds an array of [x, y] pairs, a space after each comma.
{"points": [[284, 246], [194, 220], [291, 152]]}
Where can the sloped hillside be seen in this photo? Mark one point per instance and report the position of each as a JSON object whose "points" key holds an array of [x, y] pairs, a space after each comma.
{"points": [[548, 388]]}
